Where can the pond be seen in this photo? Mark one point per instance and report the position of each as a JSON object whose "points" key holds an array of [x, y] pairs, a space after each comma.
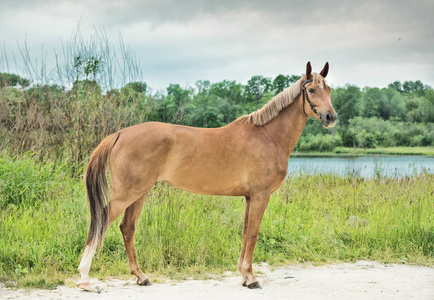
{"points": [[363, 166]]}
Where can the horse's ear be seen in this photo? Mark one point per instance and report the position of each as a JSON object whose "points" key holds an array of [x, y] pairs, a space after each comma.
{"points": [[325, 70], [308, 70]]}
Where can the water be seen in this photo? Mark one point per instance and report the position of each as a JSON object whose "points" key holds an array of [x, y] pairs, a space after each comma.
{"points": [[363, 166]]}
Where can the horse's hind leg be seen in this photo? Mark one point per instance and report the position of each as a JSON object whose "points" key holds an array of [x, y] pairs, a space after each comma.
{"points": [[128, 229], [84, 267], [117, 207]]}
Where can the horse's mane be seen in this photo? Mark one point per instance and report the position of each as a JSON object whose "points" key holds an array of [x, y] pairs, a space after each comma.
{"points": [[271, 109]]}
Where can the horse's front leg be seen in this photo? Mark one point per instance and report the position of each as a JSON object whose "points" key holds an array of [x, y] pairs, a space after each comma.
{"points": [[243, 248], [254, 212]]}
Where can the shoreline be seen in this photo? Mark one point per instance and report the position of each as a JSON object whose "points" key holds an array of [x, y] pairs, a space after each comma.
{"points": [[355, 152]]}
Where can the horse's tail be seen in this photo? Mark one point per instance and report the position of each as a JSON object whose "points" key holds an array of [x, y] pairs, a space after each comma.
{"points": [[97, 190]]}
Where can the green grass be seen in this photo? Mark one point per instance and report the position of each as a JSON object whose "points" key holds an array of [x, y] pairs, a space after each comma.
{"points": [[44, 221]]}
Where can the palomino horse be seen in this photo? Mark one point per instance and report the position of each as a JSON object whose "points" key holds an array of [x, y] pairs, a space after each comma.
{"points": [[248, 157]]}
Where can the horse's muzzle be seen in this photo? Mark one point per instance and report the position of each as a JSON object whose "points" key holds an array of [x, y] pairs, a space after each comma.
{"points": [[328, 119]]}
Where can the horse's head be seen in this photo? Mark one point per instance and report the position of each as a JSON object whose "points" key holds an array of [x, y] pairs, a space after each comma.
{"points": [[316, 93]]}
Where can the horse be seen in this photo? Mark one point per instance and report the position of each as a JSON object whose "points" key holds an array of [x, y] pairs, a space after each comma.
{"points": [[248, 157]]}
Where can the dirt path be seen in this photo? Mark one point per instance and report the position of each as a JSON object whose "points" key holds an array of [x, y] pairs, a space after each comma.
{"points": [[361, 280]]}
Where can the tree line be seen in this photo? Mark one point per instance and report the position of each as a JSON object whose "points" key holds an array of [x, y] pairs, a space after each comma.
{"points": [[53, 120]]}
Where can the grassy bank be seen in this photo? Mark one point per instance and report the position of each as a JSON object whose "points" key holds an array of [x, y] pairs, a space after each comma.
{"points": [[44, 219], [387, 151], [347, 151]]}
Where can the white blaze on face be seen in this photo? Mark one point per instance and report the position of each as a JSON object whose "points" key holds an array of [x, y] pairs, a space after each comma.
{"points": [[322, 84]]}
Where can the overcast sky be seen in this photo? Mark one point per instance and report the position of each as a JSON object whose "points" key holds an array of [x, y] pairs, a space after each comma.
{"points": [[367, 43]]}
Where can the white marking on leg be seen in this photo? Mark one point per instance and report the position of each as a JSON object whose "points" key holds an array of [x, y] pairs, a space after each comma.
{"points": [[85, 263]]}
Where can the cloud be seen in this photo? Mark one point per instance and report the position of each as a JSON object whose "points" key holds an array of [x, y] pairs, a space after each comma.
{"points": [[185, 41]]}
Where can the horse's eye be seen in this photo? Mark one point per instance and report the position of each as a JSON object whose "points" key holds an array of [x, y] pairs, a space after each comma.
{"points": [[311, 91]]}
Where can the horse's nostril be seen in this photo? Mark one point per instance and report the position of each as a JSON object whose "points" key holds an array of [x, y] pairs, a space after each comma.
{"points": [[328, 117]]}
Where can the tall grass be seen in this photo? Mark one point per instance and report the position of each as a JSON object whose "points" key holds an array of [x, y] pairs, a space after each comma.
{"points": [[70, 107], [44, 221], [61, 126]]}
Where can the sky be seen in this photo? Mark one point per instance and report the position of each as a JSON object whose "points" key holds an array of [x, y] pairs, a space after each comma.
{"points": [[367, 43]]}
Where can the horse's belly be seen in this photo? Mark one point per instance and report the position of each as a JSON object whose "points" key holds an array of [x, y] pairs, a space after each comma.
{"points": [[209, 183]]}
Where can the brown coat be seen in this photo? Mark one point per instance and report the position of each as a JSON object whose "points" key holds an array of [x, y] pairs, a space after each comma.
{"points": [[248, 157]]}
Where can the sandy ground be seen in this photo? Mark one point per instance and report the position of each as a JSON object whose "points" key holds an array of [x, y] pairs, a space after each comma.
{"points": [[361, 280]]}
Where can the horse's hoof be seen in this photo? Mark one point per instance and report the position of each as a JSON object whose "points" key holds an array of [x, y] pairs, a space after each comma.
{"points": [[84, 286], [254, 285], [146, 282]]}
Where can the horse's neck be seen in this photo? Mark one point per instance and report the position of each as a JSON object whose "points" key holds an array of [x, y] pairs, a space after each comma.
{"points": [[287, 127]]}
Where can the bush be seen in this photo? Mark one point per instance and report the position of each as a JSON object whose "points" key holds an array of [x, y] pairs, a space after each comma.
{"points": [[325, 143], [370, 141], [402, 138]]}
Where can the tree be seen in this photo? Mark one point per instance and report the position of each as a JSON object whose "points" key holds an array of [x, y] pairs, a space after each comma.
{"points": [[87, 66], [257, 87], [216, 104], [347, 102], [414, 87], [429, 106], [138, 87], [371, 102], [283, 81], [391, 104], [397, 85], [230, 101], [175, 102], [421, 109], [13, 80], [386, 103]]}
